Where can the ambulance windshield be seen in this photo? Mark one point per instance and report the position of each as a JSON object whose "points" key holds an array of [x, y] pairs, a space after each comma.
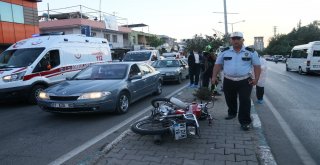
{"points": [[17, 58]]}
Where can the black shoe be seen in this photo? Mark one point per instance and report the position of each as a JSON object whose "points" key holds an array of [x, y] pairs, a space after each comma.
{"points": [[229, 117], [245, 127]]}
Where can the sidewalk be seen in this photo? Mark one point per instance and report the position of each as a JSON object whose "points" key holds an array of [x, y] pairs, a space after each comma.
{"points": [[222, 143]]}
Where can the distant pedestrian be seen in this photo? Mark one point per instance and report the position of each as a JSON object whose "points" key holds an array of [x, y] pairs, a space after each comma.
{"points": [[194, 59], [237, 62], [262, 80]]}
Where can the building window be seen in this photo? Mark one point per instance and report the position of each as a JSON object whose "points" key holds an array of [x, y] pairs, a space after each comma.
{"points": [[107, 36], [93, 34], [11, 13], [17, 14], [114, 38], [5, 12]]}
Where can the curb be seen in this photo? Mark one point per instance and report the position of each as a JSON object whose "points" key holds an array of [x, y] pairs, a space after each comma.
{"points": [[263, 151]]}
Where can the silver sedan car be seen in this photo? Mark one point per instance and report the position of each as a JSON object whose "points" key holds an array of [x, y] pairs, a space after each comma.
{"points": [[172, 69], [102, 87]]}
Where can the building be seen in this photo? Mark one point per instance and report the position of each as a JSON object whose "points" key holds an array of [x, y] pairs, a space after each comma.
{"points": [[258, 43], [18, 20], [80, 23]]}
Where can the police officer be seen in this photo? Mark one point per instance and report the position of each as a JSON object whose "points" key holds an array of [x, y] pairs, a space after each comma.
{"points": [[237, 62]]}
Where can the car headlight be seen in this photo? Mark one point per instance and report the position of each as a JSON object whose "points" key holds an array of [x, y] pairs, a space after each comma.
{"points": [[44, 95], [93, 95], [13, 77]]}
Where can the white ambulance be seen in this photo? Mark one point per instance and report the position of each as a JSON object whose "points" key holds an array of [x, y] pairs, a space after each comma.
{"points": [[31, 65]]}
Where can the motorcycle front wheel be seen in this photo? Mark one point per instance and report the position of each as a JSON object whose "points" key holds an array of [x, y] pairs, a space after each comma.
{"points": [[151, 127]]}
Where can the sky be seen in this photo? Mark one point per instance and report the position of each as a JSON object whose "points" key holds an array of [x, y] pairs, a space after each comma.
{"points": [[182, 19]]}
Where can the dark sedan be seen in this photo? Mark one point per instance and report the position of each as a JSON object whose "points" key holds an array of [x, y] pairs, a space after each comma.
{"points": [[172, 69], [102, 87]]}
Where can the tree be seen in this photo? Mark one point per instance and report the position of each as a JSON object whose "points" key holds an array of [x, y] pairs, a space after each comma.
{"points": [[154, 41], [198, 43], [282, 44]]}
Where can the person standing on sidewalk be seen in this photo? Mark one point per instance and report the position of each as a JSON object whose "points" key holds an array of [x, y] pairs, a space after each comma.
{"points": [[237, 62], [194, 68], [262, 80]]}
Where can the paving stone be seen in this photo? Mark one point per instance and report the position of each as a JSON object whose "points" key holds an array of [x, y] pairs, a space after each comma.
{"points": [[115, 155], [219, 157], [252, 163], [146, 152], [249, 151], [252, 158], [244, 146], [234, 151], [192, 162], [152, 158], [133, 157], [236, 163], [134, 162], [204, 157], [221, 145], [170, 160], [216, 151], [209, 162], [112, 161]]}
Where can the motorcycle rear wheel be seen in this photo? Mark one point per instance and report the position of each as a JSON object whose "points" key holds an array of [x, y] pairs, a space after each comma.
{"points": [[150, 127]]}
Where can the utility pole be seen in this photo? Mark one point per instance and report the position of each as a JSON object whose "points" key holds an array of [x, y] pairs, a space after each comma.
{"points": [[274, 30], [225, 17]]}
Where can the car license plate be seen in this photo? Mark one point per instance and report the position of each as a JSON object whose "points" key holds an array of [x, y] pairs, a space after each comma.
{"points": [[61, 105], [180, 131], [316, 66]]}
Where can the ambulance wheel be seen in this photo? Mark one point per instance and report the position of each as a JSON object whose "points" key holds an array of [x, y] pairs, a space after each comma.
{"points": [[34, 93]]}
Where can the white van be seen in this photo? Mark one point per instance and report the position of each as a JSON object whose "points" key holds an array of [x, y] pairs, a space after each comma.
{"points": [[305, 58], [33, 64], [147, 56]]}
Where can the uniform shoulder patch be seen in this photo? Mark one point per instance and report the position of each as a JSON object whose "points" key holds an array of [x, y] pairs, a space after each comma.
{"points": [[225, 48], [250, 49]]}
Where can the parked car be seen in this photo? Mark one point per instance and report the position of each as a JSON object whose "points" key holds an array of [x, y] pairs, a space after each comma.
{"points": [[172, 69], [147, 56], [173, 55], [279, 58], [102, 87]]}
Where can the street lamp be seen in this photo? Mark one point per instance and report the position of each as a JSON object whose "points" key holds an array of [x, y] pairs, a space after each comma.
{"points": [[232, 23]]}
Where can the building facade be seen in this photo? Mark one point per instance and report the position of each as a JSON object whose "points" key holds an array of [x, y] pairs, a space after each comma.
{"points": [[76, 23], [18, 20], [258, 43]]}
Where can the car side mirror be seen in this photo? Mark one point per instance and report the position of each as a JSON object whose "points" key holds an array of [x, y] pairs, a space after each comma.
{"points": [[135, 77]]}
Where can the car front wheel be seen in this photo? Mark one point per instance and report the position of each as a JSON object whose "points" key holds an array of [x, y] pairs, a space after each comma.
{"points": [[159, 88], [122, 103]]}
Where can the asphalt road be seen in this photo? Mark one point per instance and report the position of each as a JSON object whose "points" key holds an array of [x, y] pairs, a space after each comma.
{"points": [[30, 136], [295, 98]]}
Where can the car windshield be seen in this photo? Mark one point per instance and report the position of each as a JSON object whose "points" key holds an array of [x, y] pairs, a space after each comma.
{"points": [[165, 63], [19, 57], [137, 56], [103, 72]]}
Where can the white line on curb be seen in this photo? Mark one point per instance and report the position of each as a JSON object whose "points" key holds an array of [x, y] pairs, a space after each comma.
{"points": [[96, 139], [296, 144]]}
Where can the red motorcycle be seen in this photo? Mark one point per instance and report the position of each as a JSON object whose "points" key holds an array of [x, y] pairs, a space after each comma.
{"points": [[172, 116]]}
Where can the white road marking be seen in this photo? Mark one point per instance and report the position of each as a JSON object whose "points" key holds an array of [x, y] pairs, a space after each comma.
{"points": [[96, 139], [296, 144]]}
